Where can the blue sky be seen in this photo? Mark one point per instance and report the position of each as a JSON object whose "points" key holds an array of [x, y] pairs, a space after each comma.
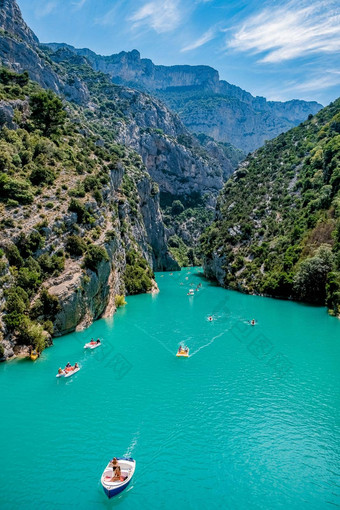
{"points": [[278, 49]]}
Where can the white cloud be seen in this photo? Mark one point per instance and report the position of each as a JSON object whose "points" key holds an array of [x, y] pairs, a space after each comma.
{"points": [[110, 17], [206, 37], [326, 80], [289, 31], [46, 9], [162, 16], [79, 5]]}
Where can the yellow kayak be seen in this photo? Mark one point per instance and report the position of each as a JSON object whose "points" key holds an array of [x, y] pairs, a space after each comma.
{"points": [[34, 355], [183, 354]]}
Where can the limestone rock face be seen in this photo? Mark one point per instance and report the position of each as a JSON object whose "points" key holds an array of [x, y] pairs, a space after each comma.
{"points": [[129, 68], [214, 268], [11, 21], [154, 228], [20, 51], [7, 109], [82, 300], [205, 103]]}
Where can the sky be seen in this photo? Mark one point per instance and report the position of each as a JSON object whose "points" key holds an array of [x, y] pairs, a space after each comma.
{"points": [[281, 50]]}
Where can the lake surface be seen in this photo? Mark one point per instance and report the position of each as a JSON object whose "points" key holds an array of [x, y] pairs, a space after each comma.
{"points": [[249, 421]]}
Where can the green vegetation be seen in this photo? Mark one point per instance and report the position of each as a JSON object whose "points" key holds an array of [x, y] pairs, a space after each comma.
{"points": [[75, 245], [188, 216], [26, 331], [119, 300], [47, 112], [94, 256], [59, 160], [278, 224], [138, 275]]}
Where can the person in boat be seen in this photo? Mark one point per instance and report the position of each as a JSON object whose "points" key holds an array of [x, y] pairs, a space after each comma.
{"points": [[186, 350], [116, 470], [60, 371], [98, 341], [180, 349], [75, 366], [210, 318], [252, 322], [68, 365], [114, 462], [117, 473]]}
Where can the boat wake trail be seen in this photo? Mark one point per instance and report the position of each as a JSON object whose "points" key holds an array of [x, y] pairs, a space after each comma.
{"points": [[134, 442], [209, 343], [154, 338]]}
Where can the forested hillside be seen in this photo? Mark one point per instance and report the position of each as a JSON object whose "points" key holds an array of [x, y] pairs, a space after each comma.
{"points": [[78, 217], [277, 226]]}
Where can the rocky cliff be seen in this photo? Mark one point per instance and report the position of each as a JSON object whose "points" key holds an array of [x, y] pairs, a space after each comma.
{"points": [[184, 167], [205, 103], [80, 219], [19, 50], [80, 216]]}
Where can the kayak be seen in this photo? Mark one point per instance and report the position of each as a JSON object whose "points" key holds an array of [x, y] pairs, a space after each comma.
{"points": [[90, 345], [68, 374], [34, 355], [127, 467]]}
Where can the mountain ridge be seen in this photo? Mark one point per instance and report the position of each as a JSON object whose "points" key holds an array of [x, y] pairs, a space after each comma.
{"points": [[205, 103]]}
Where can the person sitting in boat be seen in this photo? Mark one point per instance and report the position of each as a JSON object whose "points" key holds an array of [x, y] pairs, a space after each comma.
{"points": [[252, 322], [68, 367], [116, 473], [180, 349], [210, 318], [93, 342], [186, 350], [60, 371], [75, 366], [98, 341]]}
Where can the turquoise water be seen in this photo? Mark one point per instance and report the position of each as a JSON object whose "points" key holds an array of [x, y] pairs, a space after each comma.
{"points": [[249, 421]]}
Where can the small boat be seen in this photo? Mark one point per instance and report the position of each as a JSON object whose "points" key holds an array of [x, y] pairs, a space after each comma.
{"points": [[92, 345], [191, 292], [183, 352], [67, 373], [127, 466], [34, 355]]}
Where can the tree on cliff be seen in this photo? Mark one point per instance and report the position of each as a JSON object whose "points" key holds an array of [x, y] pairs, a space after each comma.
{"points": [[310, 280], [47, 112]]}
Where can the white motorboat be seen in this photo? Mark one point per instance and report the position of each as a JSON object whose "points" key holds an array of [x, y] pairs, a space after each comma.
{"points": [[127, 467], [68, 373], [92, 345]]}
